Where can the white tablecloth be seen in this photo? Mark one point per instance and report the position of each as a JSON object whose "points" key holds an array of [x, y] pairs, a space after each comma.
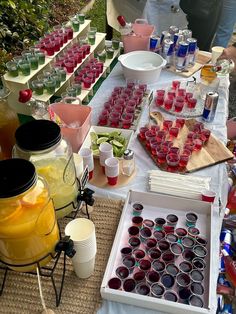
{"points": [[218, 174]]}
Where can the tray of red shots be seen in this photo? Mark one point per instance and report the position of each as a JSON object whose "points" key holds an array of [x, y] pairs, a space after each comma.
{"points": [[178, 101], [124, 107], [161, 256], [181, 145]]}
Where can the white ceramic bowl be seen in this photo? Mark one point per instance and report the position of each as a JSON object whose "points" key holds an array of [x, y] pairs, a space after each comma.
{"points": [[145, 66]]}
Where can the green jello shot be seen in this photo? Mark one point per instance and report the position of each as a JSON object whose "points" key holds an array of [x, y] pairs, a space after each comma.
{"points": [[12, 68]]}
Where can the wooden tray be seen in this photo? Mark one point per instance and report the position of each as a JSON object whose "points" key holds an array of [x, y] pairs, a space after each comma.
{"points": [[202, 58], [212, 153]]}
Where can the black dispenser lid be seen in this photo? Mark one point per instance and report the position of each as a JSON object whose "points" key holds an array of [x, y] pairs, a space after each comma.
{"points": [[38, 135], [16, 176]]}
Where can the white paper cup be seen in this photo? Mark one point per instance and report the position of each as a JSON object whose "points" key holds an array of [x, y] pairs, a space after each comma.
{"points": [[82, 232], [87, 155], [84, 270], [112, 170], [215, 53], [105, 152]]}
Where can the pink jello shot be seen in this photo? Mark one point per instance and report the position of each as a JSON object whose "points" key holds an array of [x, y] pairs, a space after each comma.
{"points": [[188, 146], [87, 81], [198, 127], [161, 135], [191, 103], [165, 146], [159, 100], [183, 160], [126, 121], [174, 150], [171, 94], [172, 162], [190, 135], [175, 84], [161, 156], [149, 136], [181, 92], [103, 119], [114, 119], [206, 133], [168, 103], [155, 128], [154, 146], [188, 95]]}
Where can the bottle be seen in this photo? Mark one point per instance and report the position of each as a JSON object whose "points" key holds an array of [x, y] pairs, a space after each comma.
{"points": [[41, 142], [125, 28], [222, 67], [28, 227], [230, 267], [8, 124], [231, 205], [128, 163]]}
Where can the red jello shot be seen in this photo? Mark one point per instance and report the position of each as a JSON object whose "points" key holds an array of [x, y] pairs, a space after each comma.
{"points": [[191, 103], [129, 109], [128, 91], [188, 95], [161, 135], [143, 87], [148, 136], [131, 103], [124, 96], [186, 151], [179, 123], [69, 65], [171, 94], [118, 89], [154, 147], [117, 108], [189, 146], [175, 84], [172, 162], [165, 146], [183, 160], [197, 144], [87, 82], [114, 119], [142, 132], [103, 119], [206, 133], [155, 128], [174, 150], [198, 127], [167, 124], [161, 156], [181, 92], [159, 101], [126, 121], [107, 106], [173, 132], [160, 92], [168, 103], [178, 106]]}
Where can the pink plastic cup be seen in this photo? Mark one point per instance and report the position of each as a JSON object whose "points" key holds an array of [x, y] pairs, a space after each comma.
{"points": [[175, 84], [160, 92], [159, 101], [173, 132], [142, 132], [191, 103], [208, 196], [179, 123], [168, 103], [167, 124], [178, 106]]}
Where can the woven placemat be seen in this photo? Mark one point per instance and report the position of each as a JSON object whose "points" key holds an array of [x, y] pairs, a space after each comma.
{"points": [[21, 294]]}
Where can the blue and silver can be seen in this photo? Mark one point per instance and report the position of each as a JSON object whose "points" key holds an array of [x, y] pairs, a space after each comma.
{"points": [[173, 30], [192, 47], [154, 43], [164, 35], [225, 236], [187, 33], [181, 56], [178, 37], [168, 51], [210, 106], [221, 268]]}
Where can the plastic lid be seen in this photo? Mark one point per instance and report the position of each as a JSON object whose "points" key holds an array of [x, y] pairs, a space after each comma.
{"points": [[128, 154], [38, 135], [17, 176]]}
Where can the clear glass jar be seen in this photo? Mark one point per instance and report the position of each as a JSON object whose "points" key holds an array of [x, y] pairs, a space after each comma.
{"points": [[128, 163], [40, 141], [28, 226], [8, 124]]}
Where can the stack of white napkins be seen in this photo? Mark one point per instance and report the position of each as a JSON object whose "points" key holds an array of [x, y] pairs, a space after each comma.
{"points": [[189, 186]]}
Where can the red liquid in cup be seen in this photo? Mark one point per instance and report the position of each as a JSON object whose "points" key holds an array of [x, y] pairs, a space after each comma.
{"points": [[159, 100], [178, 106], [181, 92], [171, 94], [173, 132], [112, 180], [161, 156], [160, 92], [167, 124], [142, 132], [179, 123], [183, 160], [197, 144], [192, 102], [175, 84], [168, 103]]}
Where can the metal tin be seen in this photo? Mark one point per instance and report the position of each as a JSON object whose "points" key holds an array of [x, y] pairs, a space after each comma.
{"points": [[178, 37], [154, 42], [168, 51], [173, 29], [181, 56], [192, 47], [187, 33], [226, 236], [210, 106], [164, 35]]}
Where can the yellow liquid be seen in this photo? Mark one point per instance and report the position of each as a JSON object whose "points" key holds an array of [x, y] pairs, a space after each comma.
{"points": [[207, 74], [60, 176], [28, 228]]}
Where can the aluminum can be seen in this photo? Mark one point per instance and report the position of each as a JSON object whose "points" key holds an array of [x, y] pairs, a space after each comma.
{"points": [[220, 302], [154, 42], [192, 47], [178, 37], [225, 236], [187, 33], [221, 268], [168, 51], [164, 35], [173, 29], [210, 106], [181, 56], [228, 309]]}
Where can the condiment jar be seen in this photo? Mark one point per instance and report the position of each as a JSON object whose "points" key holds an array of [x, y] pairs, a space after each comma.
{"points": [[28, 226], [8, 124], [128, 163], [40, 141]]}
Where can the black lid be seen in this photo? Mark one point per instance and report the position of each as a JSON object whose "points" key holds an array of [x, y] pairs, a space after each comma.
{"points": [[16, 176], [38, 135]]}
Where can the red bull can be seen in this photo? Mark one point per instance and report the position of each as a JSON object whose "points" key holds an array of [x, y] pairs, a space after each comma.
{"points": [[168, 51], [192, 47], [178, 37], [210, 106], [154, 43], [164, 35], [181, 56], [187, 33]]}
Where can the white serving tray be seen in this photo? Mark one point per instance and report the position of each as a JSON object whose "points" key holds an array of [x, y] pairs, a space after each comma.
{"points": [[157, 205], [128, 134]]}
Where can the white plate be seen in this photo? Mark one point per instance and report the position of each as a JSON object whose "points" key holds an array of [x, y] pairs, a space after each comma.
{"points": [[102, 129]]}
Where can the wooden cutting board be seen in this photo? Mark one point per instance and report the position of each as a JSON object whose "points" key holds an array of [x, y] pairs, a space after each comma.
{"points": [[212, 153], [201, 59]]}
